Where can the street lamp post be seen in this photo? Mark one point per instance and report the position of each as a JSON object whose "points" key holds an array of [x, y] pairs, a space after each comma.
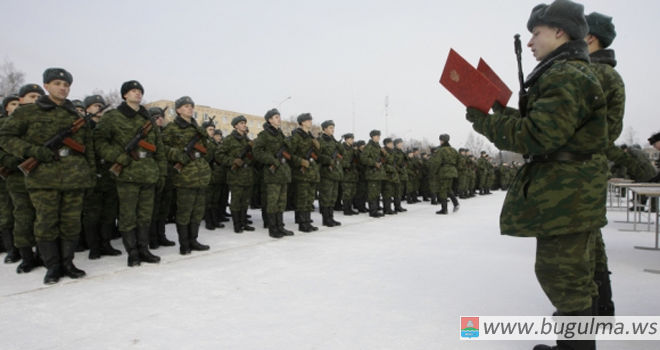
{"points": [[284, 100]]}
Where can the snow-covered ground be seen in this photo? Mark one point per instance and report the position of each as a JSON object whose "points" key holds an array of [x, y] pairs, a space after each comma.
{"points": [[399, 282]]}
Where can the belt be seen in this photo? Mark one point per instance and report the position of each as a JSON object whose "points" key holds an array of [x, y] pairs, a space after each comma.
{"points": [[143, 154], [63, 152], [197, 155], [561, 157]]}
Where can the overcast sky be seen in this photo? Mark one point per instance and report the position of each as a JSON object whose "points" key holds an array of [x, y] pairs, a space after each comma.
{"points": [[336, 59]]}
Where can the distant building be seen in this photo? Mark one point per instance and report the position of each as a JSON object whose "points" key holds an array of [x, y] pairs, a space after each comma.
{"points": [[222, 119]]}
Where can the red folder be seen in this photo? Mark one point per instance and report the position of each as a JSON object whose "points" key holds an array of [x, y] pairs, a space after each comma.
{"points": [[505, 92], [467, 84]]}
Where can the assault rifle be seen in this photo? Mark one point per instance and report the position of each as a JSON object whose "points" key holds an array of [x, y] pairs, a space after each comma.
{"points": [[192, 146], [522, 94], [282, 156], [61, 139], [135, 142], [246, 152]]}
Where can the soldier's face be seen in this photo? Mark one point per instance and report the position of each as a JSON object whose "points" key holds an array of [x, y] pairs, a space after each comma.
{"points": [[210, 130], [330, 130], [58, 89], [399, 145], [656, 145], [389, 145], [159, 121], [349, 142], [545, 40], [133, 96], [31, 97], [93, 109], [11, 107], [375, 138], [186, 110], [275, 120], [217, 138], [241, 127], [307, 124]]}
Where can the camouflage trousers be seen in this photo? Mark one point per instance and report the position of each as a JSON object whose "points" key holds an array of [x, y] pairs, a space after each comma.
{"points": [[463, 181], [328, 192], [163, 206], [136, 204], [373, 190], [304, 195], [349, 190], [240, 197], [273, 197], [361, 190], [443, 188], [190, 205], [100, 207], [389, 189], [57, 214], [213, 196], [23, 211], [6, 209], [565, 269]]}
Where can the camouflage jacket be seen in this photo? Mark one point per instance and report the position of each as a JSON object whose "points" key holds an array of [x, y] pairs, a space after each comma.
{"points": [[7, 160], [302, 147], [196, 173], [27, 130], [330, 158], [115, 130], [218, 170], [236, 146], [636, 163], [448, 162], [391, 172], [369, 157], [401, 161], [602, 64], [566, 111], [350, 163], [266, 148]]}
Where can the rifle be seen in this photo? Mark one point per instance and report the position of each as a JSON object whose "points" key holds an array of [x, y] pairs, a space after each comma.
{"points": [[61, 139], [311, 157], [336, 157], [89, 116], [192, 146], [282, 155], [135, 142], [522, 94], [246, 152]]}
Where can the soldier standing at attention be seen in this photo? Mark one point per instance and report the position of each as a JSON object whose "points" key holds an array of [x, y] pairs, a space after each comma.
{"points": [[235, 154], [350, 178], [211, 218], [391, 180], [331, 173], [142, 170], [374, 172], [56, 185], [304, 153], [100, 203], [447, 171], [187, 148], [9, 162], [360, 200], [401, 164], [271, 150], [558, 197]]}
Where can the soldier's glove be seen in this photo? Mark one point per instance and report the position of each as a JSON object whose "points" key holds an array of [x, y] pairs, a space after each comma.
{"points": [[238, 162], [473, 114], [304, 163], [183, 158], [316, 144], [124, 159], [43, 154], [498, 108]]}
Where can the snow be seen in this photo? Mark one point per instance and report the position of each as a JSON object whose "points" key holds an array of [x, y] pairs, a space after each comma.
{"points": [[399, 282]]}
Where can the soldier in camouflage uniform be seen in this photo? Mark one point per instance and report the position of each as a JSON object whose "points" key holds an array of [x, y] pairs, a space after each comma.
{"points": [[56, 185], [483, 173], [559, 196], [162, 197], [220, 172], [413, 168], [23, 210], [463, 176], [211, 211], [305, 150], [401, 164], [9, 163], [187, 148], [235, 154], [331, 171], [360, 199], [143, 170], [271, 150], [374, 172], [100, 203], [391, 180], [349, 164], [447, 158]]}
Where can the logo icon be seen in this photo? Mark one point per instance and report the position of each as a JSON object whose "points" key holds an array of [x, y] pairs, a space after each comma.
{"points": [[469, 327]]}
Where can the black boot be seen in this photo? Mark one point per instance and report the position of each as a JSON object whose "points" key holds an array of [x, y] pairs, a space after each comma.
{"points": [[387, 206], [571, 344], [434, 199], [236, 219], [332, 218], [273, 230], [215, 218], [82, 243], [130, 244], [245, 222], [397, 205], [208, 221], [93, 241], [184, 239], [304, 225], [193, 229], [264, 217], [162, 238], [454, 202], [106, 248], [325, 214], [66, 254], [280, 225], [443, 203], [50, 254], [373, 210], [12, 253], [153, 235], [605, 303], [28, 262], [347, 209], [143, 246]]}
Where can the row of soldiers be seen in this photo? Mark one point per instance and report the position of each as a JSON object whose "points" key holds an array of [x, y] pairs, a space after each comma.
{"points": [[70, 168]]}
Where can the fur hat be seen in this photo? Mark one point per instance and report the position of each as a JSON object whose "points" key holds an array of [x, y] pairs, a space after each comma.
{"points": [[564, 14]]}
